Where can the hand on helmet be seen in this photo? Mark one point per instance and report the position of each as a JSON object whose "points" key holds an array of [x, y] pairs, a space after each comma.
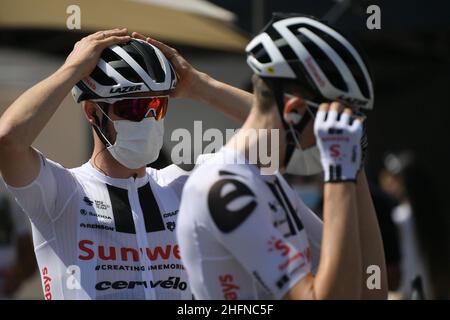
{"points": [[87, 51], [187, 75], [338, 136]]}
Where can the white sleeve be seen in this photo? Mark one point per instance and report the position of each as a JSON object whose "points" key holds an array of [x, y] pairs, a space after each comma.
{"points": [[240, 221], [39, 199]]}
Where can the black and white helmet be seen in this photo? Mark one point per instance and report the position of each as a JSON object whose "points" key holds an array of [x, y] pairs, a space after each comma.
{"points": [[316, 56], [125, 71]]}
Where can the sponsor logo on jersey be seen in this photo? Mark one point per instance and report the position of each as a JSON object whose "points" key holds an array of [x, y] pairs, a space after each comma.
{"points": [[101, 205], [96, 226], [291, 254], [173, 283], [288, 213], [89, 250], [229, 289], [170, 225], [227, 217], [140, 268], [88, 201], [170, 214], [47, 281], [84, 212], [126, 89], [279, 245]]}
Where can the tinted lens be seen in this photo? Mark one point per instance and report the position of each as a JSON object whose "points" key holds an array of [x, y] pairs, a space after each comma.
{"points": [[138, 109]]}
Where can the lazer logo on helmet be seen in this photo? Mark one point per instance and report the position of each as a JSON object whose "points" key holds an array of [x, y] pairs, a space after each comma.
{"points": [[174, 283], [126, 89], [352, 101]]}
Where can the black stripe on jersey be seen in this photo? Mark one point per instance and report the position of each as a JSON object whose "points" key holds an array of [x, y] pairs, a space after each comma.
{"points": [[150, 209], [288, 218], [121, 208], [297, 220], [226, 173]]}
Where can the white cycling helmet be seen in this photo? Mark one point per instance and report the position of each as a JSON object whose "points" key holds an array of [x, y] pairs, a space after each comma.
{"points": [[126, 71], [305, 50], [299, 50]]}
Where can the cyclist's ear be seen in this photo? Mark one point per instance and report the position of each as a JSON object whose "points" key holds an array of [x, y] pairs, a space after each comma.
{"points": [[294, 107], [90, 111]]}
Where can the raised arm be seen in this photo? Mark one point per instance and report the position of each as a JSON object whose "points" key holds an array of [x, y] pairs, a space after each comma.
{"points": [[372, 251], [198, 86], [22, 122], [340, 268]]}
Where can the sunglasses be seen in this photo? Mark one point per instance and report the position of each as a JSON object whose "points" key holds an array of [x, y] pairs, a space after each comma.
{"points": [[138, 109]]}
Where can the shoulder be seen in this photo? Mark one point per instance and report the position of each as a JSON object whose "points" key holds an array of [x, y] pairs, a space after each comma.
{"points": [[216, 189], [168, 174], [212, 174]]}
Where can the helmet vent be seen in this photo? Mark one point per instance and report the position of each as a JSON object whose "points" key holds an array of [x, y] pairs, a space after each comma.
{"points": [[260, 54], [146, 57], [109, 55], [102, 78], [325, 63], [347, 57]]}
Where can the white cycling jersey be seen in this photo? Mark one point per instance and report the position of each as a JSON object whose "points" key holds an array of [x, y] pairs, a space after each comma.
{"points": [[97, 237], [244, 235]]}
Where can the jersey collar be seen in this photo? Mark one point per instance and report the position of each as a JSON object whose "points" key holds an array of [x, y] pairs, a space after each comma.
{"points": [[116, 182]]}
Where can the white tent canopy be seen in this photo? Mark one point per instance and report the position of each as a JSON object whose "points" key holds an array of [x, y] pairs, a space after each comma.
{"points": [[189, 22], [200, 7]]}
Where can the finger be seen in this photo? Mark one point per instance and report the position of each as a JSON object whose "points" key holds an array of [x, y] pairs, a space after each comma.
{"points": [[169, 52], [345, 116], [324, 107], [322, 113], [116, 32], [320, 116], [101, 35], [341, 107], [361, 117], [137, 35], [95, 34], [333, 112], [356, 125], [109, 41], [336, 106], [177, 61]]}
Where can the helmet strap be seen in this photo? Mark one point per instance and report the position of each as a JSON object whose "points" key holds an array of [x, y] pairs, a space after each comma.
{"points": [[276, 85], [101, 128]]}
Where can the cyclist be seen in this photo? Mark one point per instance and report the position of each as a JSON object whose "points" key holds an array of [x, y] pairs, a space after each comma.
{"points": [[245, 235], [105, 230]]}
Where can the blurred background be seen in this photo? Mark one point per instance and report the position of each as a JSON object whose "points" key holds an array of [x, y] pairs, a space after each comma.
{"points": [[407, 165]]}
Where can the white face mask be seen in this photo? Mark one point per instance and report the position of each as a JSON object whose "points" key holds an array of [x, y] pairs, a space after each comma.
{"points": [[305, 162], [137, 143]]}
